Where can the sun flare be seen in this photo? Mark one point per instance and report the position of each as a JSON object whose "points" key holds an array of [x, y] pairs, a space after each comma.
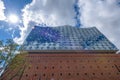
{"points": [[13, 18]]}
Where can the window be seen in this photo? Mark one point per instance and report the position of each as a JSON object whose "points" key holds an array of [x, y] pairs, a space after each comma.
{"points": [[35, 74], [117, 73], [45, 67], [52, 74], [37, 67], [93, 73], [26, 75], [43, 74], [60, 74], [101, 73], [28, 67], [77, 73], [69, 74], [85, 73], [53, 67]]}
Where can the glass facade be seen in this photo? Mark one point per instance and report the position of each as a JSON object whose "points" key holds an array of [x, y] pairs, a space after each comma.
{"points": [[67, 38]]}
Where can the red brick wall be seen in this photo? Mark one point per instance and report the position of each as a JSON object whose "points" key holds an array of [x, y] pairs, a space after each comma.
{"points": [[45, 66]]}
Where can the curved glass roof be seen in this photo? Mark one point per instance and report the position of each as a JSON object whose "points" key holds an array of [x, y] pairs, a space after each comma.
{"points": [[67, 38]]}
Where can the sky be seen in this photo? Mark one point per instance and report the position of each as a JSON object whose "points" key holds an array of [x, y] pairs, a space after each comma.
{"points": [[103, 14]]}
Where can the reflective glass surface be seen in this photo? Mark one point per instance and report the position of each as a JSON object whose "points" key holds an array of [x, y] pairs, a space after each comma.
{"points": [[67, 38]]}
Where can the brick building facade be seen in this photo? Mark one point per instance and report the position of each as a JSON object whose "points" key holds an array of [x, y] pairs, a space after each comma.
{"points": [[69, 53]]}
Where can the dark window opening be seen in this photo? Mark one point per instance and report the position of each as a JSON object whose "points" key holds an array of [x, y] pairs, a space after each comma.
{"points": [[69, 74], [85, 73], [37, 67], [101, 73], [35, 74], [77, 73], [53, 67], [52, 74], [93, 73], [39, 79], [60, 74], [45, 67], [26, 75], [43, 74], [29, 68]]}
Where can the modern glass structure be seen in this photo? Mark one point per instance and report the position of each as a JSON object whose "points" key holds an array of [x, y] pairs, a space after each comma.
{"points": [[67, 38]]}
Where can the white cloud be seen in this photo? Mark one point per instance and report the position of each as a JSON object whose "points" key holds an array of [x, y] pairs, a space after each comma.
{"points": [[24, 32], [2, 7], [105, 15], [50, 12]]}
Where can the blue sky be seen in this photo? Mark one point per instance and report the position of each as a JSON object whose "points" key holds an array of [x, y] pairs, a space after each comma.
{"points": [[11, 7], [15, 6], [103, 14]]}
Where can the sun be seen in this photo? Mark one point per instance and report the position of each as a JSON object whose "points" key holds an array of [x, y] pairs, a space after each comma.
{"points": [[13, 18]]}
